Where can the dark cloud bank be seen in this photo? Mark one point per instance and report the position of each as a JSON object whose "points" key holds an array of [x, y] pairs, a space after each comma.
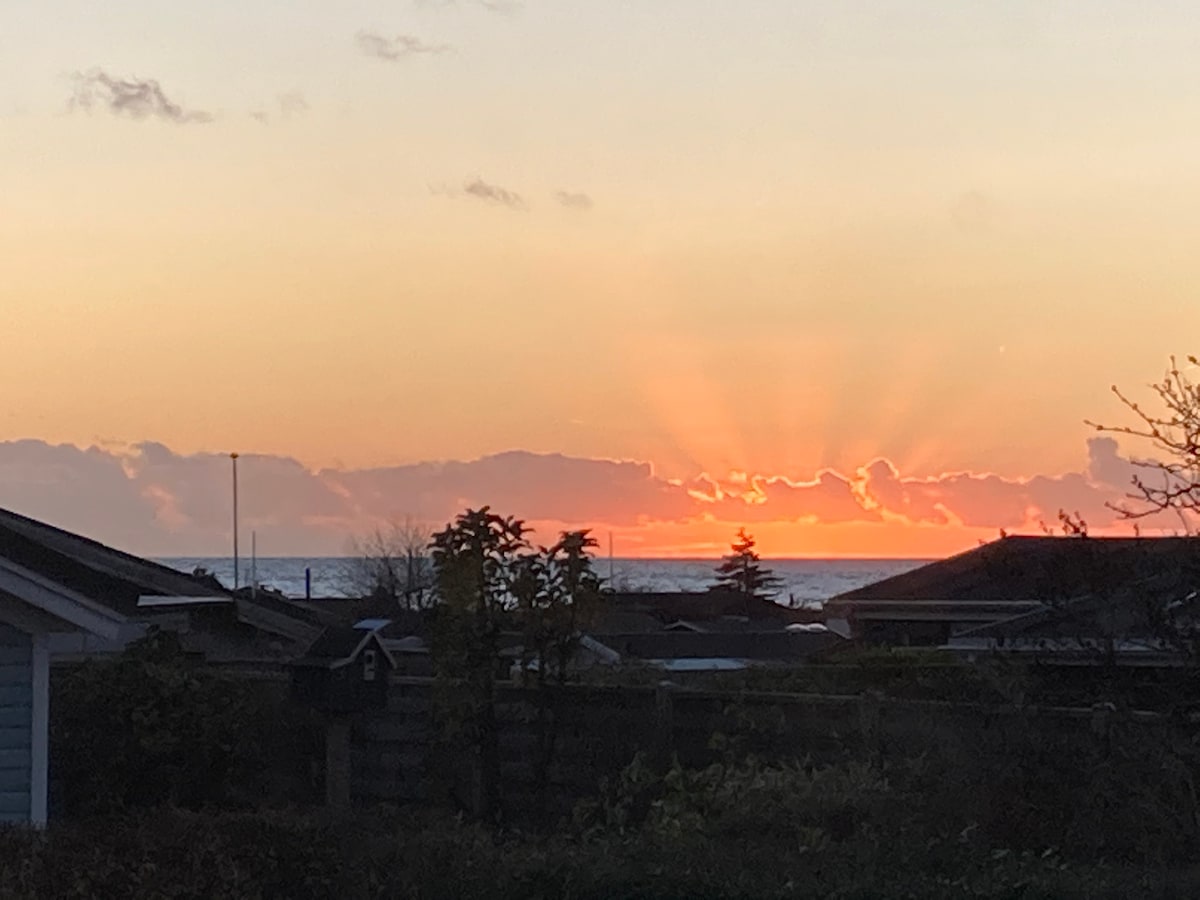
{"points": [[151, 500]]}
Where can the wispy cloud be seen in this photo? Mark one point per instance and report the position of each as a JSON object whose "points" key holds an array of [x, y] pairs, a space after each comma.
{"points": [[492, 193], [394, 49], [293, 103], [136, 98], [573, 200], [502, 7]]}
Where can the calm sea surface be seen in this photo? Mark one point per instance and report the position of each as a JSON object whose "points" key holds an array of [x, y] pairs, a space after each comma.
{"points": [[807, 580]]}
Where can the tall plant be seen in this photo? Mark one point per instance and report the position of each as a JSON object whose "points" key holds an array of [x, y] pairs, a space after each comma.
{"points": [[475, 559], [742, 572]]}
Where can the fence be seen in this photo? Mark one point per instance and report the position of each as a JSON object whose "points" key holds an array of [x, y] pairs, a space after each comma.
{"points": [[556, 745]]}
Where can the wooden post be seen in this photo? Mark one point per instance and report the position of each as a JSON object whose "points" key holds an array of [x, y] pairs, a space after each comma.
{"points": [[337, 762], [869, 714], [664, 723], [1102, 724]]}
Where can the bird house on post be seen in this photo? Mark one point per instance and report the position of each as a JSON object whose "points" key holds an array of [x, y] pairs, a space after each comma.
{"points": [[345, 672]]}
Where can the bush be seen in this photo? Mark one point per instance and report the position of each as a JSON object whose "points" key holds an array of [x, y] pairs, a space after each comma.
{"points": [[232, 855], [149, 727]]}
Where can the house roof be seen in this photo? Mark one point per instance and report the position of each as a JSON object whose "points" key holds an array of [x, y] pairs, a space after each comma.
{"points": [[37, 604], [94, 570], [337, 647], [349, 611], [671, 606], [1128, 610], [616, 620], [765, 645], [1033, 571], [123, 583]]}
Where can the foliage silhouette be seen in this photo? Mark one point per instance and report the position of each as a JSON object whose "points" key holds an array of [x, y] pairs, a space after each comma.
{"points": [[742, 572]]}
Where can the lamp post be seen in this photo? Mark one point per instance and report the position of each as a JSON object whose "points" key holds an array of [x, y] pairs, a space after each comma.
{"points": [[234, 458]]}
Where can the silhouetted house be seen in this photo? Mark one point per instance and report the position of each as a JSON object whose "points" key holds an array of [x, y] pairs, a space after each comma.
{"points": [[1026, 592], [35, 611], [667, 607], [683, 651], [136, 593], [1153, 620]]}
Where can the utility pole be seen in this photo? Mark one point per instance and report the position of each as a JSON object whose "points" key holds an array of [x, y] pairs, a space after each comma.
{"points": [[234, 458]]}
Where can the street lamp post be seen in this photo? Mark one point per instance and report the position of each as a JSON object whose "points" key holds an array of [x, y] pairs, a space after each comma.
{"points": [[234, 458]]}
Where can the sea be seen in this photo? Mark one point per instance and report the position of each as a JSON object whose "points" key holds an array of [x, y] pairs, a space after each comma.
{"points": [[805, 582]]}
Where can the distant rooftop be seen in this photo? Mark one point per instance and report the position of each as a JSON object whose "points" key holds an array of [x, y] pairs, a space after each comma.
{"points": [[1032, 569]]}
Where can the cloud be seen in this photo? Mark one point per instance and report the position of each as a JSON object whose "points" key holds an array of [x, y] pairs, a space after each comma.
{"points": [[293, 103], [491, 193], [396, 48], [573, 200], [502, 7], [136, 98], [149, 499], [990, 501]]}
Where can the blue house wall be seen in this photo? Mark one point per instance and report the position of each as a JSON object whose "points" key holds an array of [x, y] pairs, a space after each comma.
{"points": [[16, 724]]}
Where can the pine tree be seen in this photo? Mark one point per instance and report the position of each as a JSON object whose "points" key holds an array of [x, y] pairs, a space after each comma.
{"points": [[742, 572]]}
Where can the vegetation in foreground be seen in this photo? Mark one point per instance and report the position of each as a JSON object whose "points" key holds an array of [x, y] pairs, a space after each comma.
{"points": [[164, 772], [736, 831]]}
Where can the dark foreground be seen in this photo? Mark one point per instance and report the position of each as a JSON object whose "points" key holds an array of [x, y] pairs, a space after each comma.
{"points": [[753, 849]]}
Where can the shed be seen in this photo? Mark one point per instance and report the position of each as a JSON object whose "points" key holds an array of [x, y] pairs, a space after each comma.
{"points": [[344, 671], [33, 611]]}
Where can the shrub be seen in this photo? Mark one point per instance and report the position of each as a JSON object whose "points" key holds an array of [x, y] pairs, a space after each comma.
{"points": [[149, 727], [232, 855]]}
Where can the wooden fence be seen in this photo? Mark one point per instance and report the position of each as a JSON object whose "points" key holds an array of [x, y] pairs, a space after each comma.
{"points": [[397, 757]]}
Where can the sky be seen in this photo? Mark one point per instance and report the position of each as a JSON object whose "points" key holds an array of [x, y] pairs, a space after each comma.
{"points": [[851, 274]]}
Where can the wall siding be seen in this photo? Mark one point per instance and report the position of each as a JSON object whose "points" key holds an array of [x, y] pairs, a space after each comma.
{"points": [[16, 722]]}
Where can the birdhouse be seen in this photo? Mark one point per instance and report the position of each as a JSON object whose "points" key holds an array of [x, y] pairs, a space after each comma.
{"points": [[345, 671]]}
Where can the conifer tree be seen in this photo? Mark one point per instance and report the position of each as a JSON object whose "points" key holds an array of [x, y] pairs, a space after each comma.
{"points": [[742, 572]]}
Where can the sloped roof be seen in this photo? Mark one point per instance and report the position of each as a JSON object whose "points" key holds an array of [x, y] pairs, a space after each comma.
{"points": [[90, 568], [1129, 611], [1049, 570], [615, 620], [671, 606], [347, 611], [119, 580], [766, 645], [339, 646]]}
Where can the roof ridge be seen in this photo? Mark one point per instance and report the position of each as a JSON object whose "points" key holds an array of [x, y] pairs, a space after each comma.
{"points": [[24, 523]]}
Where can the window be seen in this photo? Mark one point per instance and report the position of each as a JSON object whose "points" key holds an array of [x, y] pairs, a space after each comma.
{"points": [[370, 664]]}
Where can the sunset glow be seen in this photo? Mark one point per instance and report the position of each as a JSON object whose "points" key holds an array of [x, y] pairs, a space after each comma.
{"points": [[851, 275]]}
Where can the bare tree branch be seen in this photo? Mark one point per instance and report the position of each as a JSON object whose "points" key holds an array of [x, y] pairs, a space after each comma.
{"points": [[392, 562], [1172, 483]]}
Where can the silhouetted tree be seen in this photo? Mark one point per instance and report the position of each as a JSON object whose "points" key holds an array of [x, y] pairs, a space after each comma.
{"points": [[475, 559], [393, 563], [742, 571], [555, 590], [1171, 483]]}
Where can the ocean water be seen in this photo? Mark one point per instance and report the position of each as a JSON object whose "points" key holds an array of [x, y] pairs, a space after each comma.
{"points": [[807, 581]]}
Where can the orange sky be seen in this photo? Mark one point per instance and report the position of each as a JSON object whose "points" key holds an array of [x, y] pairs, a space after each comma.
{"points": [[710, 238]]}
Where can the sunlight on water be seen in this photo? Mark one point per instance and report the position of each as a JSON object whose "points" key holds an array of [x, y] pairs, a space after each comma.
{"points": [[806, 580]]}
